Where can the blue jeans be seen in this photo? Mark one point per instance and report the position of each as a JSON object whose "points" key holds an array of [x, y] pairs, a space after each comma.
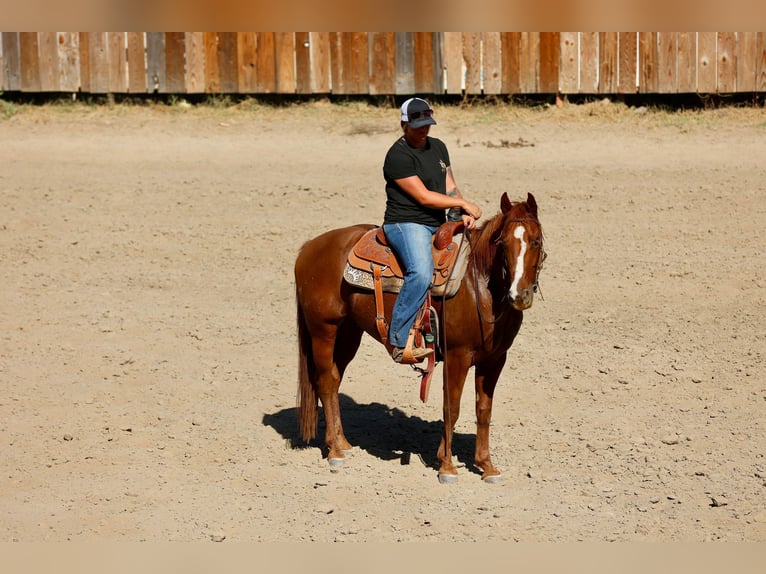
{"points": [[412, 243]]}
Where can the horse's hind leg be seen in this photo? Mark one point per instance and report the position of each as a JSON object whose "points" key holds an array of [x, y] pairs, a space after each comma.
{"points": [[333, 352]]}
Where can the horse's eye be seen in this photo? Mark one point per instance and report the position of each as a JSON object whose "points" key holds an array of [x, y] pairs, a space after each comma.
{"points": [[536, 244]]}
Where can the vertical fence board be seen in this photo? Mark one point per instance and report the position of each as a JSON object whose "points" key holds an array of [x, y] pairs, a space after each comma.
{"points": [[589, 62], [687, 62], [302, 63], [118, 72], [667, 62], [29, 51], [266, 63], [510, 46], [628, 63], [707, 74], [285, 56], [647, 54], [529, 62], [423, 55], [727, 62], [472, 58], [492, 58], [549, 63], [11, 62], [608, 66], [212, 76], [440, 79], [155, 62], [453, 61], [228, 69], [136, 63], [84, 61], [404, 62], [175, 73], [349, 54], [248, 62], [49, 61], [569, 67], [194, 73], [320, 63], [746, 60], [760, 63], [382, 63], [69, 61], [337, 79], [98, 56]]}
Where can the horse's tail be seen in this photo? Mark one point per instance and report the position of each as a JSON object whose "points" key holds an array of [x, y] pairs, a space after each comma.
{"points": [[308, 404]]}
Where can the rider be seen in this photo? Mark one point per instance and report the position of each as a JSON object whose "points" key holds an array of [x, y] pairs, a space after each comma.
{"points": [[420, 188]]}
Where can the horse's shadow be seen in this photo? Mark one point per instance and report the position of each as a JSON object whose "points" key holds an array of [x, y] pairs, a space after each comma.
{"points": [[384, 432]]}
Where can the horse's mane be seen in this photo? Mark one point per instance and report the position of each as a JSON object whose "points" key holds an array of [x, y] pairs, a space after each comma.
{"points": [[484, 239], [484, 245]]}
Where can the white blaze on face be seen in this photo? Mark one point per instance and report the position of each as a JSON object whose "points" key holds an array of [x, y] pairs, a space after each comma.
{"points": [[518, 272]]}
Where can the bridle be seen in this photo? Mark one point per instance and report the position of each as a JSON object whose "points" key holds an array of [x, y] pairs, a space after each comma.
{"points": [[507, 273]]}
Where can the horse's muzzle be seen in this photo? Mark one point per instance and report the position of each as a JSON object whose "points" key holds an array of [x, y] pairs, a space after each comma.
{"points": [[523, 300]]}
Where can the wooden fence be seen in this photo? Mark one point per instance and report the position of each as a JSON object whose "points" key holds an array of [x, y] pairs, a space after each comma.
{"points": [[383, 62]]}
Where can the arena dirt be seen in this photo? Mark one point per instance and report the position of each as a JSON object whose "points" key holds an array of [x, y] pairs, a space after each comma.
{"points": [[148, 357]]}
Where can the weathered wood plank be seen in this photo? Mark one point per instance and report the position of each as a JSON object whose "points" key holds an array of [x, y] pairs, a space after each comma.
{"points": [[548, 82], [30, 61], [285, 61], [11, 71], [472, 58], [667, 62], [228, 68], [212, 75], [69, 61], [98, 54], [321, 82], [440, 80], [84, 38], [510, 48], [760, 65], [492, 63], [194, 75], [423, 55], [266, 63], [155, 62], [248, 62], [727, 62], [382, 63], [707, 78], [647, 63], [118, 65], [302, 63], [589, 62], [687, 62], [608, 79], [404, 62], [529, 62], [453, 61], [175, 73], [136, 63], [627, 82], [569, 73], [49, 61], [746, 60]]}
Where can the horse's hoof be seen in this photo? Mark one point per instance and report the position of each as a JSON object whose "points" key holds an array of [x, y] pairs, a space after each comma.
{"points": [[336, 462], [493, 479], [447, 478]]}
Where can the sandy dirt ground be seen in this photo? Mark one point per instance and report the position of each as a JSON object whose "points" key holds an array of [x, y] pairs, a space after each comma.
{"points": [[148, 351]]}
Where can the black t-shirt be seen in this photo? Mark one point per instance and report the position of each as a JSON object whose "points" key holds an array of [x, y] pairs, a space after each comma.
{"points": [[430, 165]]}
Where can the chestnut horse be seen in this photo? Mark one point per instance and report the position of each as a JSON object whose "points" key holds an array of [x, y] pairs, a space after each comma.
{"points": [[479, 325]]}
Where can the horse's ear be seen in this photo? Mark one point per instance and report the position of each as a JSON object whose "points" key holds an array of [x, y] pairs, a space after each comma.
{"points": [[531, 204], [505, 203]]}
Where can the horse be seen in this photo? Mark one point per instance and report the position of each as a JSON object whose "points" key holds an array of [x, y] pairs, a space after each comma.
{"points": [[479, 324]]}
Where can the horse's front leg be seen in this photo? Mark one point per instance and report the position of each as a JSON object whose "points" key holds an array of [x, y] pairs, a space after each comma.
{"points": [[487, 374], [455, 370]]}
